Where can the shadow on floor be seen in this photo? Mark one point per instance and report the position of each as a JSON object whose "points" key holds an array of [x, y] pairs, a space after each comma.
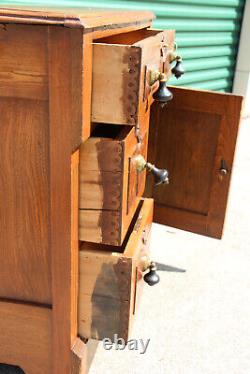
{"points": [[163, 267]]}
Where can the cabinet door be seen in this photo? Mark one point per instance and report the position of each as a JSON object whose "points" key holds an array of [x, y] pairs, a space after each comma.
{"points": [[194, 137]]}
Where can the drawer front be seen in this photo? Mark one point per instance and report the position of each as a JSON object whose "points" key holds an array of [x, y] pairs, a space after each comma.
{"points": [[121, 69], [111, 281], [110, 187]]}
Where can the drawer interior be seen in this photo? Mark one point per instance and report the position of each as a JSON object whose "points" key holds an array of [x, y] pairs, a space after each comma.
{"points": [[129, 38], [110, 186], [100, 152], [110, 131], [122, 249]]}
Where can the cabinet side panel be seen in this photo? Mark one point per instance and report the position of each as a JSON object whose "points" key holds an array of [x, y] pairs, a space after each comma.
{"points": [[24, 196], [24, 193], [23, 63]]}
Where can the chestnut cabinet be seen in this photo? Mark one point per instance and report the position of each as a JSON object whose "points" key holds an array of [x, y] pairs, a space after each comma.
{"points": [[83, 130]]}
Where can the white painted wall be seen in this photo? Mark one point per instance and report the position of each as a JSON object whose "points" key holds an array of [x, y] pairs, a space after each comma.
{"points": [[242, 74]]}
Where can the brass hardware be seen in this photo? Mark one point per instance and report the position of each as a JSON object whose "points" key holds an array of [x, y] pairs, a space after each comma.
{"points": [[164, 47], [172, 56], [172, 53], [144, 237], [154, 76], [152, 278], [145, 261], [140, 163], [138, 134], [160, 175], [178, 69]]}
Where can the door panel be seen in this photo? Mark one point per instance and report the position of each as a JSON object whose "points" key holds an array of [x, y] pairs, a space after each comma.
{"points": [[193, 137]]}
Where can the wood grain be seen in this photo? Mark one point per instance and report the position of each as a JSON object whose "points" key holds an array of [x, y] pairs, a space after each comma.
{"points": [[111, 280], [63, 227], [25, 338], [23, 62], [115, 83], [110, 186], [154, 57], [86, 93], [24, 193], [78, 83], [120, 80], [45, 89], [191, 136], [74, 241], [93, 190], [100, 226], [99, 22]]}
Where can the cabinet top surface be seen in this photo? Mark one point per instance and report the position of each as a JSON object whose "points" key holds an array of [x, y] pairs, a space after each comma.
{"points": [[74, 17]]}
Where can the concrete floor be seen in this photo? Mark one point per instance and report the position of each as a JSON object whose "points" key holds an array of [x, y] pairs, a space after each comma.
{"points": [[198, 321]]}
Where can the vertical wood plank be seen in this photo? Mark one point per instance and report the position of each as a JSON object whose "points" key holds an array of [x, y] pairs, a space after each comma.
{"points": [[65, 122], [25, 272], [74, 241], [87, 85]]}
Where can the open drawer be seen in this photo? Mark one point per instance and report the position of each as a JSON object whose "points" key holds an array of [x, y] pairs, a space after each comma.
{"points": [[110, 185], [111, 280], [121, 71]]}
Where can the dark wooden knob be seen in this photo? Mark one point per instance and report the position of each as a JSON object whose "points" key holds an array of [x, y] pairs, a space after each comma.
{"points": [[160, 175], [178, 69], [9, 369], [152, 278], [163, 95]]}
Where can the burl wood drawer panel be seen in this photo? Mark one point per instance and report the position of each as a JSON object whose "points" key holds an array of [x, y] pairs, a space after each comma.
{"points": [[110, 186], [111, 280], [121, 69]]}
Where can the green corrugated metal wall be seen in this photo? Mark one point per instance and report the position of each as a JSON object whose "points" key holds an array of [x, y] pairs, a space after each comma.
{"points": [[207, 33]]}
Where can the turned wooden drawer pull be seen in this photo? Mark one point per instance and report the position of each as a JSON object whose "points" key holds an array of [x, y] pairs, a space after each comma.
{"points": [[160, 175], [148, 266], [152, 278]]}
